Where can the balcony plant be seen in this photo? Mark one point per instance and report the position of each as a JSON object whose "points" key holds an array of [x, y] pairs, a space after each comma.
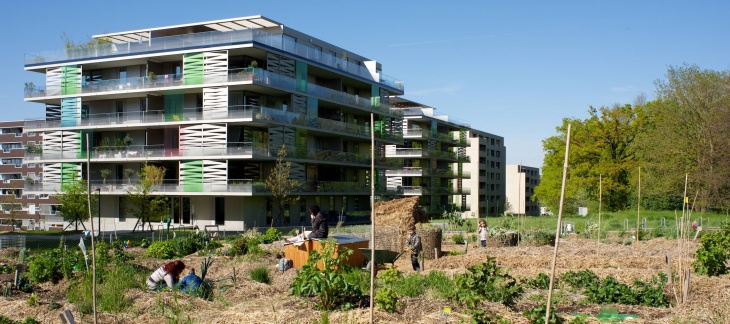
{"points": [[29, 88], [33, 148], [152, 77], [129, 173], [105, 173]]}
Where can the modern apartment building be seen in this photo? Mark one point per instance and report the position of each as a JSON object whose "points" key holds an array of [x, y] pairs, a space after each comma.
{"points": [[212, 103], [521, 183], [487, 169], [26, 210], [431, 159]]}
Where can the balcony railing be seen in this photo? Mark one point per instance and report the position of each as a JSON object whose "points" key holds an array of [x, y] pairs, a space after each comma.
{"points": [[417, 172], [207, 39], [411, 172]]}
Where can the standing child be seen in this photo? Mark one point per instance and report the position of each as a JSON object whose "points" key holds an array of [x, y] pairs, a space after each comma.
{"points": [[413, 245], [482, 231]]}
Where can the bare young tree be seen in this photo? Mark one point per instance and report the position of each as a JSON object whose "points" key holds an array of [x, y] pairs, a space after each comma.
{"points": [[282, 186], [145, 206]]}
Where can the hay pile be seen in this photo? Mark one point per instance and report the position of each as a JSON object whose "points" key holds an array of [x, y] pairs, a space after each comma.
{"points": [[391, 222]]}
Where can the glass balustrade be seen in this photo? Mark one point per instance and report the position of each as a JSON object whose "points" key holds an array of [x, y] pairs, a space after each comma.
{"points": [[213, 38]]}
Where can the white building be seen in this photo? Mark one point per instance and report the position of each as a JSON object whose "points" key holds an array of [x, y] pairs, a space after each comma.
{"points": [[487, 168], [521, 183]]}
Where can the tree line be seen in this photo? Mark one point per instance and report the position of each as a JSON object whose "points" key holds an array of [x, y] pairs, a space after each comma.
{"points": [[684, 131]]}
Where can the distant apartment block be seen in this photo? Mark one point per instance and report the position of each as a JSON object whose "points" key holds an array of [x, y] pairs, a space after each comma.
{"points": [[487, 168], [521, 183], [430, 162], [27, 210]]}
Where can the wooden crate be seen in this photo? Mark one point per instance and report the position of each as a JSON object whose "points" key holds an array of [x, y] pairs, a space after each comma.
{"points": [[300, 254]]}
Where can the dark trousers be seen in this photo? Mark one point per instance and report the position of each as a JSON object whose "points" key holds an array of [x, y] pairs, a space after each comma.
{"points": [[484, 243], [414, 261]]}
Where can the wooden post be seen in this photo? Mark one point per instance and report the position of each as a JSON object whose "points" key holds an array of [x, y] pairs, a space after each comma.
{"points": [[685, 292], [669, 269], [557, 229], [372, 214], [93, 247], [638, 210], [600, 198], [436, 253]]}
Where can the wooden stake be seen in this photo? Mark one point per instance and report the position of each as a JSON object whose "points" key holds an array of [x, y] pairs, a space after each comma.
{"points": [[685, 292], [600, 198], [638, 210], [372, 214], [93, 247], [557, 228]]}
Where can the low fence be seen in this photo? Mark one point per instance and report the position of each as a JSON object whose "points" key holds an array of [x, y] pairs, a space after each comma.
{"points": [[12, 241]]}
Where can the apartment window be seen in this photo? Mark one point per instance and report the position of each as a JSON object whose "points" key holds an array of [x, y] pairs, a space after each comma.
{"points": [[482, 173], [482, 160], [498, 176], [492, 141], [499, 142], [482, 148], [220, 211], [499, 165], [45, 196], [492, 164], [122, 74], [31, 196], [498, 154], [31, 134], [491, 187], [482, 197], [491, 153], [491, 175], [121, 214], [482, 185]]}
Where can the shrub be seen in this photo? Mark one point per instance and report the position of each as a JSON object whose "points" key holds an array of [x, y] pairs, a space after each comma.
{"points": [[162, 249], [386, 298], [488, 282], [53, 265], [541, 237], [261, 274], [580, 279], [244, 245], [328, 285], [270, 236], [458, 239], [536, 315], [712, 254], [6, 320], [113, 283], [541, 281]]}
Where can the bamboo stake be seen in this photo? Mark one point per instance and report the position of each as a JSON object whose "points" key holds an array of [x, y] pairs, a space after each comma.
{"points": [[638, 211], [93, 247], [372, 214], [600, 198], [557, 229]]}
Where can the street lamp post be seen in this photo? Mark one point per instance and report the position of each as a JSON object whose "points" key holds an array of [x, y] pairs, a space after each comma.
{"points": [[98, 208]]}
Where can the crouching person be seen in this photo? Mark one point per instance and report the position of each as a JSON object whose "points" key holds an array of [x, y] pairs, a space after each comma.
{"points": [[190, 283], [166, 276]]}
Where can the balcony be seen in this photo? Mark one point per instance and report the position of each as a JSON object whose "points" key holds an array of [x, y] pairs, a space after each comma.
{"points": [[405, 172], [421, 153], [429, 112], [208, 39], [421, 172], [254, 75], [425, 134]]}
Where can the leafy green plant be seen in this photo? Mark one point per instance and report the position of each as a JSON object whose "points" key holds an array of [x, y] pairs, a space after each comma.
{"points": [[162, 250], [609, 291], [541, 281], [536, 315], [580, 279], [386, 298], [270, 236], [53, 265], [580, 319], [261, 274], [458, 239], [6, 320], [32, 300], [479, 316], [712, 255], [489, 282], [329, 285]]}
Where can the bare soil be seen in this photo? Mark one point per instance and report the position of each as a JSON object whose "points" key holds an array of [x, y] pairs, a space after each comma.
{"points": [[253, 302]]}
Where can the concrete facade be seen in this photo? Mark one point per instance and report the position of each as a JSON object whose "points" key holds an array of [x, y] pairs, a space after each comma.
{"points": [[488, 176], [212, 103], [521, 183]]}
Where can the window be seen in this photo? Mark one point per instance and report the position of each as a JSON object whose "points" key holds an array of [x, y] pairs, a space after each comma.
{"points": [[498, 176], [45, 196], [31, 196], [482, 173], [492, 164], [482, 160], [482, 148], [498, 154], [31, 134], [492, 141], [482, 185], [491, 187], [499, 165], [220, 211], [122, 74], [121, 202], [491, 153], [499, 142], [482, 197]]}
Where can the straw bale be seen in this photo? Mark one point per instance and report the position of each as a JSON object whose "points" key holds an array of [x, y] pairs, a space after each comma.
{"points": [[399, 213], [430, 240]]}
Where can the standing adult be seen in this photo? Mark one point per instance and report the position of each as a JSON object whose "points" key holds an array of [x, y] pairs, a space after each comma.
{"points": [[319, 223]]}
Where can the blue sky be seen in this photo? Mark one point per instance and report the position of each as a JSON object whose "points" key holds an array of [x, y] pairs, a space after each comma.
{"points": [[510, 68]]}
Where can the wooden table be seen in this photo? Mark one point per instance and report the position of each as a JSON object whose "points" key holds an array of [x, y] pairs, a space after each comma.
{"points": [[300, 254]]}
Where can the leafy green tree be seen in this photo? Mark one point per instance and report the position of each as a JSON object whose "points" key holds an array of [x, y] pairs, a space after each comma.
{"points": [[73, 203], [281, 186], [141, 201], [690, 135], [603, 145]]}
